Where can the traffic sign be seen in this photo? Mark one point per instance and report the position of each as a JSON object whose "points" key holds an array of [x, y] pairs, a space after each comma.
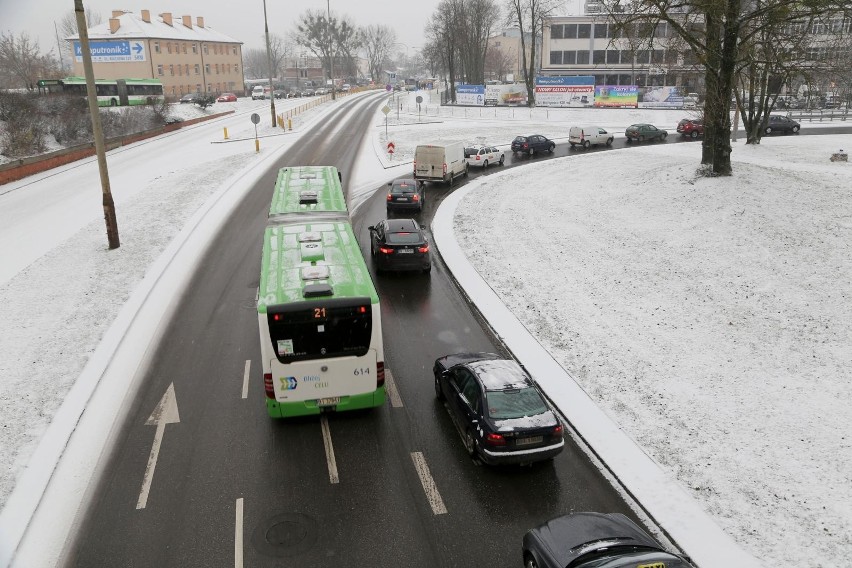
{"points": [[255, 118], [391, 147], [419, 99], [386, 109]]}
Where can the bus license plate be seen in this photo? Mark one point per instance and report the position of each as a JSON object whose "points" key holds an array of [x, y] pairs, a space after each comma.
{"points": [[527, 441], [328, 401]]}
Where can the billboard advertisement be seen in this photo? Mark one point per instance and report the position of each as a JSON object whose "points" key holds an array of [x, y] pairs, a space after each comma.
{"points": [[616, 96], [513, 94], [473, 95], [565, 91], [661, 97], [112, 51]]}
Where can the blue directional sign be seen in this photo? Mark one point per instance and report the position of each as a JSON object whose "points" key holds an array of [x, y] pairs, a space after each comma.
{"points": [[112, 51]]}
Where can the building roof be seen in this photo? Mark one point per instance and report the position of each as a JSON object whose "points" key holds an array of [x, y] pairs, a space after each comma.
{"points": [[133, 26]]}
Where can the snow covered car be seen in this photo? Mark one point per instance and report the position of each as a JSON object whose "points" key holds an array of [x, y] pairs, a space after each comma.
{"points": [[497, 408]]}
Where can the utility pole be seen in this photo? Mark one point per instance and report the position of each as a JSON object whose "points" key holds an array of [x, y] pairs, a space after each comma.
{"points": [[109, 205], [330, 48], [269, 63]]}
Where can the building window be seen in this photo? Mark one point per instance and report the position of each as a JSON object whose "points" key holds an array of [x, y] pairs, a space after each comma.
{"points": [[159, 70], [582, 57], [556, 58], [217, 68], [612, 56], [172, 69], [168, 47], [569, 31], [234, 50], [599, 57], [236, 68], [183, 47], [660, 30], [658, 56], [205, 49], [569, 57], [156, 47], [601, 30], [197, 69], [180, 70], [198, 87], [194, 48], [557, 32], [643, 57], [207, 68], [584, 31]]}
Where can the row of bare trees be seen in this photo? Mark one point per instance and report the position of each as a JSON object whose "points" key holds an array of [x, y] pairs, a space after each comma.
{"points": [[329, 38], [748, 48]]}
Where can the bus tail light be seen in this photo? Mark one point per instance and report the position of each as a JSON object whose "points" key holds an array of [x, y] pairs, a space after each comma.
{"points": [[267, 385], [380, 374]]}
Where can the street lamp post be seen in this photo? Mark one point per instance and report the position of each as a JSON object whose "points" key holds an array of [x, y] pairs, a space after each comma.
{"points": [[330, 46], [269, 63]]}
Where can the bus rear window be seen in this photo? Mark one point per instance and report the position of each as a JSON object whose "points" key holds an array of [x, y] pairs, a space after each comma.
{"points": [[320, 329]]}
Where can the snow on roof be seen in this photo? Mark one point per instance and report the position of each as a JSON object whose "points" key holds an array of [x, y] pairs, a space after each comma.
{"points": [[132, 26]]}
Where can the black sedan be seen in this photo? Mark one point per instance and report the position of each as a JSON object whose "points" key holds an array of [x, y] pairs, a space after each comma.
{"points": [[783, 124], [531, 144], [642, 132], [399, 244], [588, 540], [405, 194], [497, 408]]}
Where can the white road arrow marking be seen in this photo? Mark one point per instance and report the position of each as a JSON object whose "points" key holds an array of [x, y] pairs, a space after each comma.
{"points": [[166, 412]]}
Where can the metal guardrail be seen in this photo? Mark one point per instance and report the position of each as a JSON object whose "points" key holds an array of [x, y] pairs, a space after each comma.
{"points": [[821, 115]]}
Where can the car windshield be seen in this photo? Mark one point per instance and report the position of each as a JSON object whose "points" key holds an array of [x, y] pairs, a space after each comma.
{"points": [[514, 403], [403, 238]]}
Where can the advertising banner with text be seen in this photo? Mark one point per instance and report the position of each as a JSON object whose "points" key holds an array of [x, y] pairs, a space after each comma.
{"points": [[565, 91], [473, 95], [616, 96]]}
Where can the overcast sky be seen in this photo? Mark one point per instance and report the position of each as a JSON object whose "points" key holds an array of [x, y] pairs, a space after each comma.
{"points": [[242, 21]]}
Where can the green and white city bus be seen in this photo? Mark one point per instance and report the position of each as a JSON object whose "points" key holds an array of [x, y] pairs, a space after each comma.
{"points": [[318, 312], [110, 92]]}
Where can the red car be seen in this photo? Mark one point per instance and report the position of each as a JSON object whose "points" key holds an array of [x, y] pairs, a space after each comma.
{"points": [[691, 128], [226, 98]]}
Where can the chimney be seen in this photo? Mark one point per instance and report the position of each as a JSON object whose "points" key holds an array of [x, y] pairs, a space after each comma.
{"points": [[187, 21], [117, 13], [114, 24], [167, 18], [199, 21], [146, 16]]}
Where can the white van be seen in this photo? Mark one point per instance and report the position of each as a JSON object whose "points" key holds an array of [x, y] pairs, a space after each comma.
{"points": [[258, 93], [586, 136], [439, 161]]}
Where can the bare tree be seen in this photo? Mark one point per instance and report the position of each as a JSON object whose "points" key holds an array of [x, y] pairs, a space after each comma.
{"points": [[348, 41], [443, 31], [67, 26], [498, 63], [720, 33], [529, 17], [477, 18], [255, 64], [327, 38], [377, 40], [22, 62]]}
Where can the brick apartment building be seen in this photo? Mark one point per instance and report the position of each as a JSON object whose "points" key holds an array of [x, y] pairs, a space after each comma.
{"points": [[185, 55]]}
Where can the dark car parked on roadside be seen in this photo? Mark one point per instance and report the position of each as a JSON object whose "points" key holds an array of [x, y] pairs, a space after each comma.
{"points": [[591, 540], [691, 128], [189, 98], [642, 132], [531, 144], [497, 408], [783, 124], [405, 193], [399, 244]]}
